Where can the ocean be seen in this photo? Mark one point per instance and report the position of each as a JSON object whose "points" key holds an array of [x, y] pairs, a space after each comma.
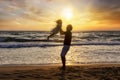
{"points": [[32, 48]]}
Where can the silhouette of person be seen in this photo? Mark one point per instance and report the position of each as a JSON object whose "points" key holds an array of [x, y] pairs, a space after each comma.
{"points": [[67, 43], [56, 29]]}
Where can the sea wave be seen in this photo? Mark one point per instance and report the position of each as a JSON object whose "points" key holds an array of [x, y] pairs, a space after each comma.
{"points": [[76, 39], [50, 44], [39, 39]]}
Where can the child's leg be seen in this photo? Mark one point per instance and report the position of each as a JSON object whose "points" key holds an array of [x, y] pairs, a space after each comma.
{"points": [[50, 36]]}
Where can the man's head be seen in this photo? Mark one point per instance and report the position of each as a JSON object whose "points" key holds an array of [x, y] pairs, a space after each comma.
{"points": [[59, 21], [69, 27]]}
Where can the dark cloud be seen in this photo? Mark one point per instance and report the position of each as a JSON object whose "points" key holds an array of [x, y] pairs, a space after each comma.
{"points": [[107, 4], [108, 10]]}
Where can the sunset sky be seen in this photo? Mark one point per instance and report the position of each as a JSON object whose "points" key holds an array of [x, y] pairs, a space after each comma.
{"points": [[84, 15]]}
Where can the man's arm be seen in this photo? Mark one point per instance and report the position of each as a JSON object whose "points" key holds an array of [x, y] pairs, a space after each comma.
{"points": [[61, 31]]}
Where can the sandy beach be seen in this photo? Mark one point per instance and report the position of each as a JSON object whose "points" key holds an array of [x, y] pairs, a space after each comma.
{"points": [[53, 72]]}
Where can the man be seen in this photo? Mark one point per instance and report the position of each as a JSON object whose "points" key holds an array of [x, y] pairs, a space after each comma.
{"points": [[67, 43]]}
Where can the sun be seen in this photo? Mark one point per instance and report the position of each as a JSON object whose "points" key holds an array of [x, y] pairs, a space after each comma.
{"points": [[67, 13]]}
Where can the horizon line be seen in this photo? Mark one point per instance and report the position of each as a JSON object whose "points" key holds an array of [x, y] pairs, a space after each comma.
{"points": [[72, 31]]}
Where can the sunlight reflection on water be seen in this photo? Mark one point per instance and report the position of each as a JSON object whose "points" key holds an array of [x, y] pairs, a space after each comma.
{"points": [[51, 55]]}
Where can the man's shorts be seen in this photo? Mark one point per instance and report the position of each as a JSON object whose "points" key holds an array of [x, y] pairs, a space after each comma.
{"points": [[65, 50]]}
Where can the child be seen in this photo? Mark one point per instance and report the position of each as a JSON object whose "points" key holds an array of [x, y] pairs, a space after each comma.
{"points": [[67, 43], [56, 29]]}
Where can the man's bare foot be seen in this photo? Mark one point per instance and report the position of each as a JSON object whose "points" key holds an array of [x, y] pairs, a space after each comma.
{"points": [[63, 68]]}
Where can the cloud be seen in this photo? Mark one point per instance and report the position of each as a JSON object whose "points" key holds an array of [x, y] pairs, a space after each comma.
{"points": [[106, 10], [29, 12], [24, 11], [17, 9], [10, 9]]}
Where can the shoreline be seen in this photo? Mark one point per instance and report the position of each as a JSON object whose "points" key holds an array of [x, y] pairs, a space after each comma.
{"points": [[39, 66], [53, 72]]}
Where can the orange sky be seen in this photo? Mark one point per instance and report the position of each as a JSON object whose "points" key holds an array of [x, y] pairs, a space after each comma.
{"points": [[84, 15]]}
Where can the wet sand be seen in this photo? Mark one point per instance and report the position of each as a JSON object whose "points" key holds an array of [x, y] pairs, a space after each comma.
{"points": [[53, 72]]}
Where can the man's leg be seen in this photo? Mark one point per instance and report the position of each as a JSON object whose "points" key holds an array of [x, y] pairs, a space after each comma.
{"points": [[63, 58], [63, 62]]}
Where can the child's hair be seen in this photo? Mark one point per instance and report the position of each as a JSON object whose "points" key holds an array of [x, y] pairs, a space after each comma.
{"points": [[59, 21], [69, 27]]}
